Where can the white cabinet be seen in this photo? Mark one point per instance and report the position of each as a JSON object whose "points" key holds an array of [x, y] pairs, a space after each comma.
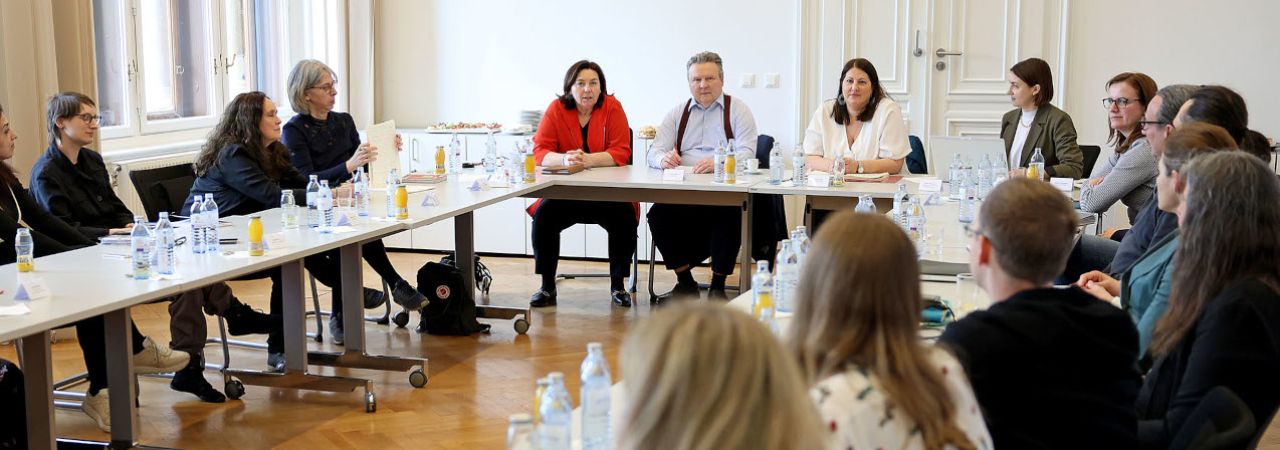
{"points": [[419, 151], [437, 236], [403, 239], [500, 228]]}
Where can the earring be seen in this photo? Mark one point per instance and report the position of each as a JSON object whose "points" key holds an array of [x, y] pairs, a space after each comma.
{"points": [[840, 99]]}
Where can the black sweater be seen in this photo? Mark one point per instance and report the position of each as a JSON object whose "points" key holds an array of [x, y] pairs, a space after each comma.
{"points": [[1235, 343], [322, 147], [49, 234], [240, 186], [80, 194], [1052, 368]]}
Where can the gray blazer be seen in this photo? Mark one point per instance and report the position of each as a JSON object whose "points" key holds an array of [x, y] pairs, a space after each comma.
{"points": [[1054, 133]]}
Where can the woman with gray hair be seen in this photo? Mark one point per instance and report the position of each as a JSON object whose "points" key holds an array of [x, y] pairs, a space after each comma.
{"points": [[326, 143]]}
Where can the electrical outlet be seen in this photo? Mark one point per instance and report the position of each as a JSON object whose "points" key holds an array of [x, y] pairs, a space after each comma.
{"points": [[771, 80], [748, 80]]}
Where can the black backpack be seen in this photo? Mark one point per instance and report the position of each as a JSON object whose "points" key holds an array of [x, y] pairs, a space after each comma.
{"points": [[452, 311]]}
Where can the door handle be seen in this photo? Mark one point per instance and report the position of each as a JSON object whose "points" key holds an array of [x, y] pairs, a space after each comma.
{"points": [[942, 52]]}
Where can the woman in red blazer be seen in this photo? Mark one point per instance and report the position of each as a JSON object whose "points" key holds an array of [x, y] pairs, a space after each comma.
{"points": [[584, 126]]}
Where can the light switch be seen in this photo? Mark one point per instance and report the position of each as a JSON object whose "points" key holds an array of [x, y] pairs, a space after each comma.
{"points": [[771, 80], [748, 80]]}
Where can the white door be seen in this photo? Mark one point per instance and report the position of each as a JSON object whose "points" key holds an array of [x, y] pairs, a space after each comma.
{"points": [[903, 39], [972, 45]]}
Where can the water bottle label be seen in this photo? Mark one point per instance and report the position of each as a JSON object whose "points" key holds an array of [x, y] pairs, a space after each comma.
{"points": [[596, 401], [553, 436]]}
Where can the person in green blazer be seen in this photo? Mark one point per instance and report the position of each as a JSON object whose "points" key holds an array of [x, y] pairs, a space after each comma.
{"points": [[1037, 124]]}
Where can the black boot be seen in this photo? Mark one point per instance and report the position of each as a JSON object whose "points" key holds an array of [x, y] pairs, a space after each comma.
{"points": [[242, 320], [191, 380]]}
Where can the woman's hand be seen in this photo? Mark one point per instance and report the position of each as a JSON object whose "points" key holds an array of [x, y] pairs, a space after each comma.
{"points": [[1019, 172], [126, 230], [399, 143], [1099, 285], [574, 157], [365, 154]]}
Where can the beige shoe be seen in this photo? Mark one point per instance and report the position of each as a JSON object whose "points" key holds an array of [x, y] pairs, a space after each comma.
{"points": [[98, 408], [154, 359]]}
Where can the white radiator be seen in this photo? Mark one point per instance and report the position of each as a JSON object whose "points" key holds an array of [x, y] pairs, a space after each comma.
{"points": [[119, 171]]}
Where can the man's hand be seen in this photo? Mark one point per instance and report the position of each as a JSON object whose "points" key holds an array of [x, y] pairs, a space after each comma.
{"points": [[704, 166], [671, 159]]}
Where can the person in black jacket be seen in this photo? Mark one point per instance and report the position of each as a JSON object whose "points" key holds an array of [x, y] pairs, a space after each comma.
{"points": [[51, 236], [71, 182], [1051, 368], [244, 166], [1220, 327], [325, 143]]}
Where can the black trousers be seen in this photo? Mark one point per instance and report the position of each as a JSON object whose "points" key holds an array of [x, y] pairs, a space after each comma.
{"points": [[689, 234], [91, 334], [375, 253], [323, 266], [554, 216], [13, 404]]}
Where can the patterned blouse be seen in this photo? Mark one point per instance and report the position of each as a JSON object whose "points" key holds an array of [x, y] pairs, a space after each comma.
{"points": [[858, 416]]}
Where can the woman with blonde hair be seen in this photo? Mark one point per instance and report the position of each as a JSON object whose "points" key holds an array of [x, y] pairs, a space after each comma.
{"points": [[702, 376], [856, 333]]}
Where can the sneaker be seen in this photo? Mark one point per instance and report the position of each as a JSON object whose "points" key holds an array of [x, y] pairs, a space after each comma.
{"points": [[681, 291], [98, 408], [275, 362], [373, 298], [336, 333], [155, 359], [717, 294], [542, 298], [407, 296], [191, 380], [621, 298], [242, 320]]}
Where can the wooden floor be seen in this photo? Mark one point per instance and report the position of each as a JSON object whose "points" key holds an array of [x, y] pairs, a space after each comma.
{"points": [[475, 382]]}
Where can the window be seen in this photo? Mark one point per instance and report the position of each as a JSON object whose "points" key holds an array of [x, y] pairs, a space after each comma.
{"points": [[166, 66]]}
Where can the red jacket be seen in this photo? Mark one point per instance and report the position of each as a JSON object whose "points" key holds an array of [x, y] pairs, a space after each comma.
{"points": [[608, 131]]}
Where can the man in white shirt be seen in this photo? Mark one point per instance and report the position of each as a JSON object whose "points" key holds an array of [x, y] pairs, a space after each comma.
{"points": [[688, 234]]}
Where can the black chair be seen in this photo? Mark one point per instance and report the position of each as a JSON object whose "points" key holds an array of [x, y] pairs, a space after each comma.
{"points": [[1220, 421], [163, 189], [1091, 153], [916, 161], [635, 256]]}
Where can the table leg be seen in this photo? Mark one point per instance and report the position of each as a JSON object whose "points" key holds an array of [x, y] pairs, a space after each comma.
{"points": [[37, 369], [464, 231], [744, 273], [120, 378]]}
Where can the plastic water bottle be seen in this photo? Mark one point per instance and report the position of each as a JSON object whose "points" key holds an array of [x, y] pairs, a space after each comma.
{"points": [[800, 236], [165, 241], [324, 200], [556, 412], [720, 156], [968, 197], [455, 149], [140, 241], [788, 273], [196, 219], [776, 168], [985, 176], [837, 171], [393, 182], [1035, 168], [288, 209], [212, 242], [915, 221], [25, 247], [761, 289], [360, 192], [490, 155], [865, 205], [313, 211], [900, 199], [799, 173], [520, 432], [596, 383], [953, 177]]}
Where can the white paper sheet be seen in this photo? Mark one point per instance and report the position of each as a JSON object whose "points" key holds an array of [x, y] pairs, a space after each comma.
{"points": [[383, 136]]}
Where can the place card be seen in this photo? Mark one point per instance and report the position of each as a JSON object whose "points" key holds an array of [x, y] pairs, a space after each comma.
{"points": [[431, 199], [1062, 184], [818, 179], [673, 175], [276, 241], [931, 185], [348, 218], [31, 287]]}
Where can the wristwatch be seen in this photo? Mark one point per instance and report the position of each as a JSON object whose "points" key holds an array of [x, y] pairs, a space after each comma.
{"points": [[860, 168]]}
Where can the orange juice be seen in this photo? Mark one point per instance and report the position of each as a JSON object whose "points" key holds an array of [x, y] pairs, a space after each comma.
{"points": [[730, 169], [530, 168], [440, 160], [26, 266], [255, 237], [764, 300], [402, 203]]}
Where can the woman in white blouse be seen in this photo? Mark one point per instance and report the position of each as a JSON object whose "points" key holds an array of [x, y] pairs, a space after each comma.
{"points": [[862, 125], [856, 333]]}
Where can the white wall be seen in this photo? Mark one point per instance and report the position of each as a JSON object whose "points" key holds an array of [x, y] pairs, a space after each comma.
{"points": [[1233, 43], [485, 60]]}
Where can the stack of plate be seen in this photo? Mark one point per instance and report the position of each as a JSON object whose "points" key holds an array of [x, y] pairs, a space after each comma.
{"points": [[531, 117]]}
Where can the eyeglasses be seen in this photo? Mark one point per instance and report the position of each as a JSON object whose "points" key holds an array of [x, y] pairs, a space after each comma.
{"points": [[90, 118], [1146, 123], [970, 232], [1121, 102], [328, 87]]}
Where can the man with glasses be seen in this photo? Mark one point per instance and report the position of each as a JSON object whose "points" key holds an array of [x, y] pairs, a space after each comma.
{"points": [[1097, 253], [1052, 368], [71, 182]]}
